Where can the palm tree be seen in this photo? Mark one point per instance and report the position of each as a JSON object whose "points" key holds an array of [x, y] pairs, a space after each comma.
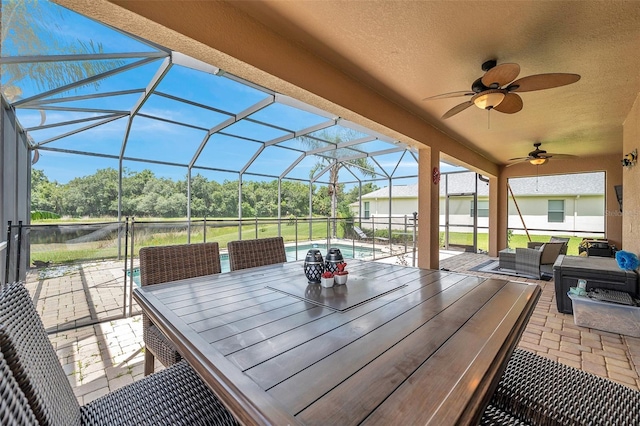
{"points": [[335, 163], [24, 31]]}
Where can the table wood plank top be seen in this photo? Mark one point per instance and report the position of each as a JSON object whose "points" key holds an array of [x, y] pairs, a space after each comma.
{"points": [[395, 345]]}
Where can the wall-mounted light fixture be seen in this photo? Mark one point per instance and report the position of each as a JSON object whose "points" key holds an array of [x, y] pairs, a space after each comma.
{"points": [[630, 159]]}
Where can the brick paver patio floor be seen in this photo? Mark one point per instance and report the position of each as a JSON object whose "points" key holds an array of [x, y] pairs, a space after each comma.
{"points": [[102, 357]]}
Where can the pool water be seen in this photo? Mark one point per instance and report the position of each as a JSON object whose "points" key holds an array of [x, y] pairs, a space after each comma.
{"points": [[294, 253]]}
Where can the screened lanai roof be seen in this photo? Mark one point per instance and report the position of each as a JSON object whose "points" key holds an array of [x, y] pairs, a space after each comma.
{"points": [[79, 87]]}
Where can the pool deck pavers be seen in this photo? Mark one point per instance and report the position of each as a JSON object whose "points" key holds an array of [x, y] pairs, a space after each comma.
{"points": [[100, 358]]}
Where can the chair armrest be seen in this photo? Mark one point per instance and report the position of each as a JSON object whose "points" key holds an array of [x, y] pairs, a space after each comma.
{"points": [[534, 244]]}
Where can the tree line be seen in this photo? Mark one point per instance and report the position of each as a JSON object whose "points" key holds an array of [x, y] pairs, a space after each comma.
{"points": [[146, 195]]}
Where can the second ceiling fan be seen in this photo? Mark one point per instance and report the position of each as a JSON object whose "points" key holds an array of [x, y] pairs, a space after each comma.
{"points": [[496, 88], [538, 156]]}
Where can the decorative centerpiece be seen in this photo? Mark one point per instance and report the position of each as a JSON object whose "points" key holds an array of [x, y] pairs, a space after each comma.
{"points": [[340, 276], [333, 259], [313, 266], [327, 279]]}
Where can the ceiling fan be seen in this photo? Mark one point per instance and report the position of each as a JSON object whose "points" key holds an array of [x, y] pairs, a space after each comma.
{"points": [[495, 89], [538, 156]]}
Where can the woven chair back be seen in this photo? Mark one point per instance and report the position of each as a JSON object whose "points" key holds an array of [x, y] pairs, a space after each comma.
{"points": [[14, 409], [252, 253], [162, 264], [33, 361]]}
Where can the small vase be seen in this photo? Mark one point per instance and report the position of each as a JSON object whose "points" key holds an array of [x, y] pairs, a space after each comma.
{"points": [[340, 279], [326, 282]]}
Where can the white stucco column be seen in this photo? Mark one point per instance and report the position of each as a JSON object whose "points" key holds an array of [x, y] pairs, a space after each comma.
{"points": [[428, 209]]}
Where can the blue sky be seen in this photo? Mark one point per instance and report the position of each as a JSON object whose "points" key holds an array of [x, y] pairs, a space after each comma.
{"points": [[165, 141]]}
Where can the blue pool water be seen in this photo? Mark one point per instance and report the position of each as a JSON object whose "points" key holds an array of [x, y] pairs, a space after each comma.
{"points": [[296, 253]]}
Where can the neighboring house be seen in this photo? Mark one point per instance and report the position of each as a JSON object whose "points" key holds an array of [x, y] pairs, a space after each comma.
{"points": [[567, 203]]}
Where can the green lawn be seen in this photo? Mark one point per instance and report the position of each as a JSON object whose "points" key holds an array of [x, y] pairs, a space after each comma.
{"points": [[462, 238], [146, 235], [175, 232]]}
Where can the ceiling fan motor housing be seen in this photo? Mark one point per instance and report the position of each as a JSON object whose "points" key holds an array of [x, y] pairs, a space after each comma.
{"points": [[478, 87], [486, 66]]}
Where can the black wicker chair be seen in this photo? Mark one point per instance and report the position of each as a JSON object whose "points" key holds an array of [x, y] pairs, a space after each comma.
{"points": [[14, 409], [494, 416], [171, 263], [174, 396], [540, 391], [251, 253]]}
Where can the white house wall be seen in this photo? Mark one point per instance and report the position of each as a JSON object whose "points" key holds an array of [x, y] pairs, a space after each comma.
{"points": [[460, 214], [582, 213]]}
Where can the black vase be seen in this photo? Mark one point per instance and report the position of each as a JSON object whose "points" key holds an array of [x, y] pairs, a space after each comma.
{"points": [[313, 266], [333, 259]]}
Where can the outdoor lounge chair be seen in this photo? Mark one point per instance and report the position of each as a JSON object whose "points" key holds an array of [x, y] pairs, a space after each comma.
{"points": [[252, 253], [364, 236], [537, 244], [162, 264], [36, 390], [535, 262]]}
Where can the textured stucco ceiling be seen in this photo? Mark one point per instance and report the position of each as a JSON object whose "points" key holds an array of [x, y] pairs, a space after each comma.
{"points": [[409, 50]]}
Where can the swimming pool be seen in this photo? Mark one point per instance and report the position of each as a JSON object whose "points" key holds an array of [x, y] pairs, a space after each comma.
{"points": [[298, 253]]}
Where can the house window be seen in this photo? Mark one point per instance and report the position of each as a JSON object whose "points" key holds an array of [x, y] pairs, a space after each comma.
{"points": [[483, 208], [555, 211], [366, 210]]}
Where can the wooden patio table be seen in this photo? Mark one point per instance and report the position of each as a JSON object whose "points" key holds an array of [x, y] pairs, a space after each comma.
{"points": [[395, 345]]}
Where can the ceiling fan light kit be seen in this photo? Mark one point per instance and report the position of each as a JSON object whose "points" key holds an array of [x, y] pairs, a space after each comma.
{"points": [[538, 161], [489, 99]]}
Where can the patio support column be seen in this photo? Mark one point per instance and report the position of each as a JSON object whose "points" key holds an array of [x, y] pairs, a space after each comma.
{"points": [[14, 188], [498, 215], [428, 209]]}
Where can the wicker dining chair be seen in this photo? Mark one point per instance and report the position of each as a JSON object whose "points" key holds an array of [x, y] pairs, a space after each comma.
{"points": [[251, 253], [162, 264], [174, 396], [537, 390], [14, 409]]}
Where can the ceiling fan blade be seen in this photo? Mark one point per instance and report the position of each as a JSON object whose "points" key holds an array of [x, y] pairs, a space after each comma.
{"points": [[542, 81], [511, 104], [519, 160], [456, 109], [450, 95], [557, 156], [500, 75]]}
